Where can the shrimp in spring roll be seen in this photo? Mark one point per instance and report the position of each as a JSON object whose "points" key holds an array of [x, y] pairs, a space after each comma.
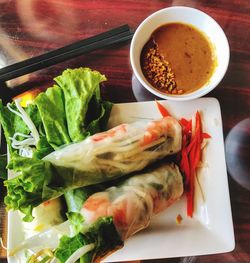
{"points": [[110, 217]]}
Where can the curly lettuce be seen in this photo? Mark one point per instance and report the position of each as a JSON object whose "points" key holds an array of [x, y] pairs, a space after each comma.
{"points": [[24, 192], [13, 124], [51, 108], [81, 87]]}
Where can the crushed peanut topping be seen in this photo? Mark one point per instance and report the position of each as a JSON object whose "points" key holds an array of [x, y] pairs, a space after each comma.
{"points": [[158, 71]]}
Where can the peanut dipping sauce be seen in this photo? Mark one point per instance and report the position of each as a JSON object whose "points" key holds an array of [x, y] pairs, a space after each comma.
{"points": [[178, 59]]}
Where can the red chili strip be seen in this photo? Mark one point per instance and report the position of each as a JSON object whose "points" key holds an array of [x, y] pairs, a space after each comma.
{"points": [[206, 135], [190, 156], [164, 112]]}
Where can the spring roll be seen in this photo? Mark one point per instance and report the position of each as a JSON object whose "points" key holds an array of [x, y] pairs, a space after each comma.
{"points": [[133, 203], [131, 206], [124, 149]]}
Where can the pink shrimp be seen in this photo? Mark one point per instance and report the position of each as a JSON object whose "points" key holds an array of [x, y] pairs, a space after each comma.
{"points": [[110, 133], [157, 129], [100, 205]]}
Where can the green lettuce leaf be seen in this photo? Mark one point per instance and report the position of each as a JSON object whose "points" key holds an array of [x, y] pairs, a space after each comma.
{"points": [[98, 123], [76, 221], [25, 191], [73, 109], [51, 108], [12, 124], [43, 148], [103, 234], [68, 245], [3, 164], [62, 114], [80, 87], [75, 199]]}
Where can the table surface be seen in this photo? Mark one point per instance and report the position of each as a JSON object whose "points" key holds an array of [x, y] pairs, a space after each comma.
{"points": [[31, 27]]}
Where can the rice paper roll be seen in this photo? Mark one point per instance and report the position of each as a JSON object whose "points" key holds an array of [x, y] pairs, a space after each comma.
{"points": [[133, 203], [120, 150]]}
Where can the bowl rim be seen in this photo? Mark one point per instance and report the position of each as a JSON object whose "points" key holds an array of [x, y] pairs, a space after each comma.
{"points": [[207, 87]]}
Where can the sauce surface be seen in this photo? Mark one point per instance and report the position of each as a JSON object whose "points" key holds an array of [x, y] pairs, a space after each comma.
{"points": [[189, 53]]}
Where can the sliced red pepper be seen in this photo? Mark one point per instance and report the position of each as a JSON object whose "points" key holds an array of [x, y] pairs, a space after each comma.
{"points": [[190, 202], [184, 121], [194, 158], [190, 156], [185, 166], [195, 155], [164, 112], [198, 125], [206, 135], [186, 124], [191, 145]]}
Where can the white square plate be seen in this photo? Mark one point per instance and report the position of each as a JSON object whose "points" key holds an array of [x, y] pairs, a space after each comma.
{"points": [[210, 231]]}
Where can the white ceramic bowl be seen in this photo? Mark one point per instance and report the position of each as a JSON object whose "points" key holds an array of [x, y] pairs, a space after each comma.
{"points": [[186, 15]]}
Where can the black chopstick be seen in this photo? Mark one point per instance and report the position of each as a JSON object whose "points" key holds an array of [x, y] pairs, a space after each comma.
{"points": [[102, 40]]}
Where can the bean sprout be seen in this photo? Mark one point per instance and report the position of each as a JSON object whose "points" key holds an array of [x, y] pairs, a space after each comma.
{"points": [[24, 146]]}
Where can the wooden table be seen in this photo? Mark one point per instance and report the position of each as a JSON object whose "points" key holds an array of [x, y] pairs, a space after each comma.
{"points": [[32, 27]]}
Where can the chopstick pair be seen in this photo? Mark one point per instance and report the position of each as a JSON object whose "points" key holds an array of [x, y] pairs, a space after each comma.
{"points": [[113, 36]]}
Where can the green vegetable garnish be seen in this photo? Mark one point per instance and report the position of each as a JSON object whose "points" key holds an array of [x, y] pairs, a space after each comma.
{"points": [[80, 87], [102, 235], [51, 108], [15, 127]]}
